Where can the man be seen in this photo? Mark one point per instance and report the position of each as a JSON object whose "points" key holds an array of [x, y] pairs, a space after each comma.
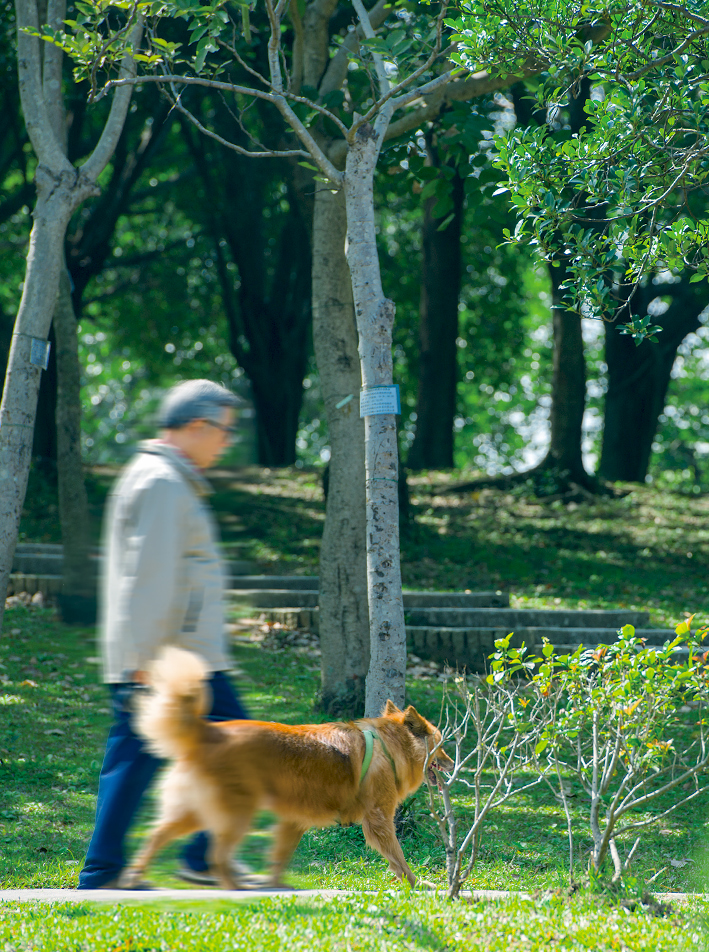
{"points": [[162, 584]]}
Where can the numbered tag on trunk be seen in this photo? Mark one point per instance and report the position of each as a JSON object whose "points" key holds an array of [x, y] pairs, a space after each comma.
{"points": [[374, 401], [39, 352]]}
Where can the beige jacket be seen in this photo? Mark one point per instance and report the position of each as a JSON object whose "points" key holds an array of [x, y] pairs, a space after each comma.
{"points": [[163, 580]]}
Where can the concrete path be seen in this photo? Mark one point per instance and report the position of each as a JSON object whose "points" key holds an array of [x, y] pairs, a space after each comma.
{"points": [[249, 895]]}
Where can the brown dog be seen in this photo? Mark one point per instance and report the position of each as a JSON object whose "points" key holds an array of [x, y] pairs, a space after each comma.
{"points": [[308, 775]]}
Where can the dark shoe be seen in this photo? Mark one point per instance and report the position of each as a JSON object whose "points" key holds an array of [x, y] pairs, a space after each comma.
{"points": [[141, 886]]}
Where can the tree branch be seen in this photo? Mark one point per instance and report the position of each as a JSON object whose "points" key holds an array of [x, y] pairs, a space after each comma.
{"points": [[52, 74], [337, 68], [106, 145], [37, 120]]}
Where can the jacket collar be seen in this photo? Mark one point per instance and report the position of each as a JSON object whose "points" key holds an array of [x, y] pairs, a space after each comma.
{"points": [[184, 466]]}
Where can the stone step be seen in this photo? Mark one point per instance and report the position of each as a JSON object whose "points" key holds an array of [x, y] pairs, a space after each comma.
{"points": [[31, 559], [514, 618], [293, 583], [238, 568], [48, 585], [307, 597], [272, 598], [470, 647]]}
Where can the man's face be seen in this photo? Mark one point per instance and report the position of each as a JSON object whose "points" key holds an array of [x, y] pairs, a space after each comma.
{"points": [[209, 441]]}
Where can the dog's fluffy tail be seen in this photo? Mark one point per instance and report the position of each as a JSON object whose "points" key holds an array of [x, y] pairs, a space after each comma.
{"points": [[170, 717]]}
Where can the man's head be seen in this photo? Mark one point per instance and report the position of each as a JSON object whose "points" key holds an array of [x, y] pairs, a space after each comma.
{"points": [[197, 417]]}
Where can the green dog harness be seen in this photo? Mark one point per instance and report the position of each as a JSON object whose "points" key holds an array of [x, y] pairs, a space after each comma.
{"points": [[369, 736]]}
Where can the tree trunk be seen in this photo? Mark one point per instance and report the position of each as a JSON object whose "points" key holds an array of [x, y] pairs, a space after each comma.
{"points": [[638, 378], [61, 188], [344, 613], [78, 596], [57, 198], [44, 441], [432, 447], [375, 318], [568, 396]]}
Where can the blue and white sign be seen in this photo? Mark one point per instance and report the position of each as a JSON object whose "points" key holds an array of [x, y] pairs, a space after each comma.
{"points": [[376, 401], [39, 352]]}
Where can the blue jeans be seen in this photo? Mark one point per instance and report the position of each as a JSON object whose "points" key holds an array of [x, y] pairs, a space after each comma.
{"points": [[128, 768]]}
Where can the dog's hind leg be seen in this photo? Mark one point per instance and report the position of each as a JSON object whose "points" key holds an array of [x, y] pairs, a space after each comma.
{"points": [[287, 837], [224, 840], [164, 833], [379, 833]]}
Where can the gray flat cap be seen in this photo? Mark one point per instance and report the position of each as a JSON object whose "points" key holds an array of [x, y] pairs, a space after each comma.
{"points": [[194, 400]]}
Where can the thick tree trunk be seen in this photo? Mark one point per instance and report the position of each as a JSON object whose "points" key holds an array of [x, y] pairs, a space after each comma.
{"points": [[375, 319], [78, 595], [568, 398], [432, 447], [638, 378], [344, 613]]}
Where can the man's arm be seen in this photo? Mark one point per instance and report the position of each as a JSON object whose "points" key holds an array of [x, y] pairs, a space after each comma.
{"points": [[150, 596]]}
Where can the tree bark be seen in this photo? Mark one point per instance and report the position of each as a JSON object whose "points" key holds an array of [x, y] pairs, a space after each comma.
{"points": [[56, 201], [344, 613], [269, 315], [638, 379], [61, 188], [375, 319], [78, 595], [432, 447], [568, 397]]}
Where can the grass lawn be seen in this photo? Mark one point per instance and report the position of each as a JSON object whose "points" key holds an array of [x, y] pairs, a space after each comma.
{"points": [[54, 718]]}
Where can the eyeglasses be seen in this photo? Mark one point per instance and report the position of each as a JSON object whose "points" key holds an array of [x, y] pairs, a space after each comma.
{"points": [[228, 431]]}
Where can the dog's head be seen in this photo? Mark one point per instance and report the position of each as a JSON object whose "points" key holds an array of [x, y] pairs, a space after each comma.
{"points": [[425, 734]]}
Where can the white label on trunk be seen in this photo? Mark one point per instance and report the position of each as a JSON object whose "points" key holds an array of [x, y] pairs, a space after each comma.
{"points": [[39, 352], [374, 401]]}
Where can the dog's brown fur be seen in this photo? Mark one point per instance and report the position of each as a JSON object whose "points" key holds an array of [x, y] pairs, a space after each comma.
{"points": [[308, 775]]}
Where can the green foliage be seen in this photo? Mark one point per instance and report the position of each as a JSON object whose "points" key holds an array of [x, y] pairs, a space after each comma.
{"points": [[623, 198], [627, 721]]}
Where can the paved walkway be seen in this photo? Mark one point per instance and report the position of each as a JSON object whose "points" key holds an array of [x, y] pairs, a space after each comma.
{"points": [[208, 895]]}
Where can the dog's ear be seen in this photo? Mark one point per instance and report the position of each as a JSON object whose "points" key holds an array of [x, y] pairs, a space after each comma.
{"points": [[390, 708], [418, 725]]}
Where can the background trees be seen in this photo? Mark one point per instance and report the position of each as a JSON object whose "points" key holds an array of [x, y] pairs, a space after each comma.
{"points": [[196, 259]]}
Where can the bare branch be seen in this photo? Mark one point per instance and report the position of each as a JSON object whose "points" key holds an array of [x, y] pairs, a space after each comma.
{"points": [[266, 154], [272, 97], [369, 33], [337, 68], [106, 145]]}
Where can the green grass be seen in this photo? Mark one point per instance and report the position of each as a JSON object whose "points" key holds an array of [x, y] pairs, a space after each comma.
{"points": [[402, 921], [629, 552]]}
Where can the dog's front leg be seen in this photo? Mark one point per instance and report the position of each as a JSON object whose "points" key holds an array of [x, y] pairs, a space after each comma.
{"points": [[163, 834], [378, 829]]}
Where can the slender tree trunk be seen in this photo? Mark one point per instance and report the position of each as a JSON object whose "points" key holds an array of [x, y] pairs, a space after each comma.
{"points": [[638, 379], [375, 319], [78, 595], [61, 188], [438, 331], [568, 390], [344, 613], [56, 201]]}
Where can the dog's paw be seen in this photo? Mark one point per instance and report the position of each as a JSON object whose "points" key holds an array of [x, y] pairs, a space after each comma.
{"points": [[426, 884], [129, 878]]}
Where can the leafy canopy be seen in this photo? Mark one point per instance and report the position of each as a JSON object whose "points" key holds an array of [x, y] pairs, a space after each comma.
{"points": [[626, 197]]}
